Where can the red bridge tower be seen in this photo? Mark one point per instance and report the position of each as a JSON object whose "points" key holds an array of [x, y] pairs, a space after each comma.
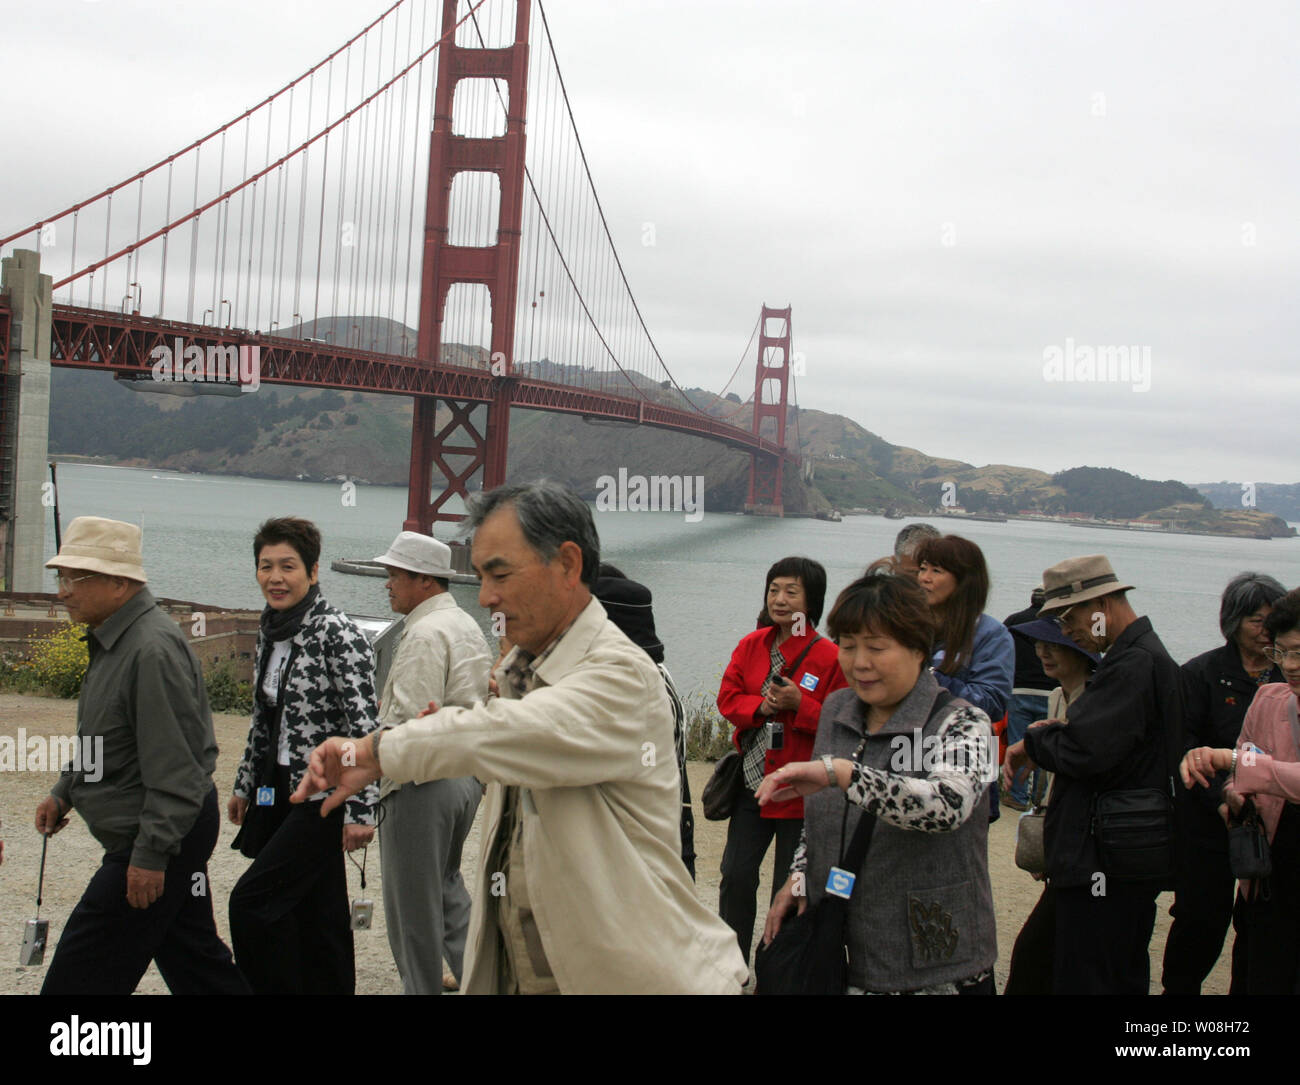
{"points": [[494, 266], [766, 472]]}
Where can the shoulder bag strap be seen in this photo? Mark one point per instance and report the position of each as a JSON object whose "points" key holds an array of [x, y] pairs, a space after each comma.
{"points": [[793, 668]]}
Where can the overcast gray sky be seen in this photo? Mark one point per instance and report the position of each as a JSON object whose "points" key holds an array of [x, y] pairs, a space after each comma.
{"points": [[948, 193]]}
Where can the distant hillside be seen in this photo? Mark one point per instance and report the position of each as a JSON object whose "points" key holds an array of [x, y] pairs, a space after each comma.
{"points": [[1279, 499], [279, 432]]}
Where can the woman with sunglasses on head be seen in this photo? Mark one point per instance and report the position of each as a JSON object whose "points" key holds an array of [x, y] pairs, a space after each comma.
{"points": [[974, 655], [1264, 767], [772, 694]]}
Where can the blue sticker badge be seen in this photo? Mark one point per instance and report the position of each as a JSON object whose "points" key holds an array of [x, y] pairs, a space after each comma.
{"points": [[839, 883], [809, 682], [266, 796]]}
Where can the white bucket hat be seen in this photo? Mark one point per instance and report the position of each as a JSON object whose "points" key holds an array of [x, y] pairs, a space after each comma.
{"points": [[416, 553], [103, 546]]}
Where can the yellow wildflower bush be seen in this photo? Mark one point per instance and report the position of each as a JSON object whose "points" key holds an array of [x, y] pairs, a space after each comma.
{"points": [[58, 661]]}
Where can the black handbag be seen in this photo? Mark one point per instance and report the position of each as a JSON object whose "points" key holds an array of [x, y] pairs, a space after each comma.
{"points": [[254, 832], [808, 955], [719, 795], [1134, 831], [1248, 852]]}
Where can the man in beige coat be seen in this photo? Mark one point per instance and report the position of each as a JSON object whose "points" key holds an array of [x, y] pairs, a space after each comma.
{"points": [[581, 888]]}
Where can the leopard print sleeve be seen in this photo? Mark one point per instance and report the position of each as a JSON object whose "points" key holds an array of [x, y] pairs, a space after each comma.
{"points": [[799, 865], [958, 774]]}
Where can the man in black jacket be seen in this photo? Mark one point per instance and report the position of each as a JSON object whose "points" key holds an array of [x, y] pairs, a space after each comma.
{"points": [[1124, 733], [1218, 687]]}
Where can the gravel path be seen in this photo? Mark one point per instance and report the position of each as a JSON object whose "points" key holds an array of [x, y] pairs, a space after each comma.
{"points": [[74, 854]]}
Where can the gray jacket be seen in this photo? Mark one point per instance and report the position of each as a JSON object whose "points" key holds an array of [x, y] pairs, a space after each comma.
{"points": [[143, 716], [922, 909]]}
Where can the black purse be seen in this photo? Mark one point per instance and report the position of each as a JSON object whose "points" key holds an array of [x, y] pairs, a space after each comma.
{"points": [[1248, 852], [255, 831], [808, 955], [720, 793]]}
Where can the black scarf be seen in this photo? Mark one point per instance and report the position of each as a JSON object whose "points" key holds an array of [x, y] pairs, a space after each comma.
{"points": [[283, 624]]}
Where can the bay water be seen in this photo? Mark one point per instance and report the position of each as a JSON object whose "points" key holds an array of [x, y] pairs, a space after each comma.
{"points": [[707, 576]]}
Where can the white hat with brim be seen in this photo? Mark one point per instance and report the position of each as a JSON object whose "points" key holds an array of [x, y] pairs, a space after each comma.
{"points": [[1077, 580], [96, 545], [420, 554]]}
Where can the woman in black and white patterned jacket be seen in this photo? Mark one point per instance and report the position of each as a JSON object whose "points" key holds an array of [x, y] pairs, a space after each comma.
{"points": [[290, 924]]}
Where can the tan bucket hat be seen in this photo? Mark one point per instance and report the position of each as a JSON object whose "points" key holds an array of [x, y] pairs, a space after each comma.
{"points": [[416, 553], [103, 546], [1078, 579]]}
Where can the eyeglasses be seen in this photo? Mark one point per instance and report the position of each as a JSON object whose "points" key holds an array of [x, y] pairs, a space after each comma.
{"points": [[1060, 618], [1285, 659], [66, 581]]}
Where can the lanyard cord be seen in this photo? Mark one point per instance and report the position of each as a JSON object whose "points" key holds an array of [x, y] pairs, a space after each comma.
{"points": [[361, 866], [40, 885], [844, 820]]}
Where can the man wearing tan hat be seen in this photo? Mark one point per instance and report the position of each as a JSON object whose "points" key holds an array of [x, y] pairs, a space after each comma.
{"points": [[1120, 749], [442, 658], [151, 802]]}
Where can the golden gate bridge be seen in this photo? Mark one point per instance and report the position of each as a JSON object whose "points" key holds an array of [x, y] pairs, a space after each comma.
{"points": [[396, 178]]}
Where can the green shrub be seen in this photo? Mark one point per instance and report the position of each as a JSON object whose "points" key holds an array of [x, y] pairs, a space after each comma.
{"points": [[227, 692], [15, 674], [708, 735]]}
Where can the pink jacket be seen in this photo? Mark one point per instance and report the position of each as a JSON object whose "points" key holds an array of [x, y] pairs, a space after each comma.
{"points": [[1272, 777]]}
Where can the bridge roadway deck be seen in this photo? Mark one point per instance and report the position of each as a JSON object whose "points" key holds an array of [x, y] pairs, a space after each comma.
{"points": [[123, 343]]}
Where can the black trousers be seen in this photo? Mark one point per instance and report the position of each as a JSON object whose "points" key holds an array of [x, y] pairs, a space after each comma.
{"points": [[1034, 951], [749, 835], [1202, 911], [290, 921], [107, 945], [1102, 942]]}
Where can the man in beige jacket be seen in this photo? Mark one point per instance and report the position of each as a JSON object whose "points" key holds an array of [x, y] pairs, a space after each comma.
{"points": [[581, 888]]}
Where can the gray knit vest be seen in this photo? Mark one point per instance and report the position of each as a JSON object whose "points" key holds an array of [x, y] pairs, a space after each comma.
{"points": [[922, 907]]}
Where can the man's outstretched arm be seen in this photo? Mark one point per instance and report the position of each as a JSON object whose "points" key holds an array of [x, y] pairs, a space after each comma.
{"points": [[344, 764]]}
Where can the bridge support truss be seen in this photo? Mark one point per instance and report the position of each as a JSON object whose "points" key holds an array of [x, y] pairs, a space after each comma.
{"points": [[766, 472], [494, 266]]}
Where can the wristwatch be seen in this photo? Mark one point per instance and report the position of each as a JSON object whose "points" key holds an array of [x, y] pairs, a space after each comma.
{"points": [[831, 779]]}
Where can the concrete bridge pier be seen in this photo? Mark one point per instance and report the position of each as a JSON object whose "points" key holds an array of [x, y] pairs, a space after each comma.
{"points": [[25, 427]]}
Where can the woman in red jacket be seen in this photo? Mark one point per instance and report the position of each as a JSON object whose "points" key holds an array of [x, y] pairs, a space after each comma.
{"points": [[772, 695]]}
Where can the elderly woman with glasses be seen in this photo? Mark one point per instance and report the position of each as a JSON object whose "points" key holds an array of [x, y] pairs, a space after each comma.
{"points": [[1264, 766]]}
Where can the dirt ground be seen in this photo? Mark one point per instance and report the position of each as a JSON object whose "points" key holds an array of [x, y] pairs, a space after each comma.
{"points": [[74, 854]]}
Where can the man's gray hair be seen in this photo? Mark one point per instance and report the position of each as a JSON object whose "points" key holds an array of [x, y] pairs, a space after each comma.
{"points": [[1245, 594], [912, 536], [549, 514]]}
